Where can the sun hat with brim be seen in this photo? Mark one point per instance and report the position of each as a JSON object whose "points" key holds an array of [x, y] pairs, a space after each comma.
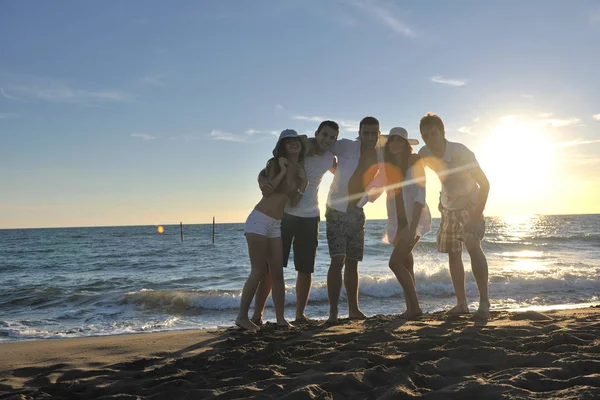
{"points": [[398, 131], [290, 133]]}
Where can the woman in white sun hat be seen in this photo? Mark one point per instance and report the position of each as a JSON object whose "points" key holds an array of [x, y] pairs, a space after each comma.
{"points": [[287, 177], [403, 179]]}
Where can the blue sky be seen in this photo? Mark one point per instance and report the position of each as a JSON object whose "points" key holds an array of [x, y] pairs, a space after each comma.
{"points": [[121, 113]]}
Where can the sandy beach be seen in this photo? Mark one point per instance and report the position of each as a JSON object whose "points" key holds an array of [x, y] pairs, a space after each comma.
{"points": [[533, 355]]}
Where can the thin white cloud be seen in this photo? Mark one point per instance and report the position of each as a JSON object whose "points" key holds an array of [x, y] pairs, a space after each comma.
{"points": [[9, 115], [347, 124], [311, 119], [259, 132], [142, 135], [577, 142], [446, 81], [60, 93], [596, 117], [279, 107], [141, 20], [595, 17], [385, 14], [465, 129], [8, 96], [544, 115], [227, 136], [152, 80], [558, 123]]}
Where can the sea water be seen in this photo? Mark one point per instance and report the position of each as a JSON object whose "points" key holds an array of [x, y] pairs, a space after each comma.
{"points": [[70, 282]]}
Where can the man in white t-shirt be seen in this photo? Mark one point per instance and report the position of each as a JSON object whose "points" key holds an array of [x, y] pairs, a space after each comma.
{"points": [[300, 222], [463, 197], [358, 163]]}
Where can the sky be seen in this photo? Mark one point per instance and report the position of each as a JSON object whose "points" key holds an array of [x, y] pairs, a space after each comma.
{"points": [[149, 112]]}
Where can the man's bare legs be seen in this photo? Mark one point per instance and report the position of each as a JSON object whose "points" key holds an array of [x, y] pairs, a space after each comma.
{"points": [[260, 300], [258, 249], [303, 283], [334, 286], [479, 266], [457, 273], [351, 284]]}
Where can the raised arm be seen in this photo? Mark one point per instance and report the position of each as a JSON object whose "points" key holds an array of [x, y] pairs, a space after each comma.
{"points": [[269, 179]]}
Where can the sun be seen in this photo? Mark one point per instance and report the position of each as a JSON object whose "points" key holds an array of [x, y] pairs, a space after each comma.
{"points": [[518, 160]]}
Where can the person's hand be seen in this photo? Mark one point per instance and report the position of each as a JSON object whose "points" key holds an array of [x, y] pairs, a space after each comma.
{"points": [[267, 189], [302, 174], [283, 163]]}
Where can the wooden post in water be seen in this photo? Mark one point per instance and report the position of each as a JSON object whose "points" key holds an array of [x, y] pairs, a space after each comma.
{"points": [[213, 236], [181, 230]]}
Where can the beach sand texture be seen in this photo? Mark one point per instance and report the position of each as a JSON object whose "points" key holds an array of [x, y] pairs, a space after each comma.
{"points": [[529, 355]]}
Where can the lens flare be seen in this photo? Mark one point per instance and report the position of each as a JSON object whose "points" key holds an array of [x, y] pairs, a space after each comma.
{"points": [[161, 230]]}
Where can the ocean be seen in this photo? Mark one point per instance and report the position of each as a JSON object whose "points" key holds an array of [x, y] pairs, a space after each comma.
{"points": [[71, 282]]}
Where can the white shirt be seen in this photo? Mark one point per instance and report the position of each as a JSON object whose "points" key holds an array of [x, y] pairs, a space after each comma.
{"points": [[412, 192], [348, 155], [316, 166], [459, 189]]}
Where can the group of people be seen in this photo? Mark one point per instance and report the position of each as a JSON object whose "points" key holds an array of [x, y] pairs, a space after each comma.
{"points": [[288, 215]]}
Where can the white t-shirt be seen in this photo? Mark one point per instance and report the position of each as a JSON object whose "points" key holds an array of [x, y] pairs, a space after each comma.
{"points": [[348, 155], [459, 189], [316, 166]]}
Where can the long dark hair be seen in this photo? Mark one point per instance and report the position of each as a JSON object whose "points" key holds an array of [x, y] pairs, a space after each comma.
{"points": [[273, 163], [397, 174]]}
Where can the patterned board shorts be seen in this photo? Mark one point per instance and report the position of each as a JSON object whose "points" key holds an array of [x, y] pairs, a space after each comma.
{"points": [[346, 233], [450, 236]]}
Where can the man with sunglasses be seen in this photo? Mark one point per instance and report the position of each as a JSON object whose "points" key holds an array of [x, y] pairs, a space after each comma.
{"points": [[463, 197]]}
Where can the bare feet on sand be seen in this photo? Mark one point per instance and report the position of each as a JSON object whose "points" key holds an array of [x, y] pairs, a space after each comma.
{"points": [[284, 324], [411, 315], [257, 321], [303, 319], [483, 312], [246, 324], [459, 309], [357, 315]]}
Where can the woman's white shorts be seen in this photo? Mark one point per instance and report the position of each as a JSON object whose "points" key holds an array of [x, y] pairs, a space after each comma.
{"points": [[261, 224]]}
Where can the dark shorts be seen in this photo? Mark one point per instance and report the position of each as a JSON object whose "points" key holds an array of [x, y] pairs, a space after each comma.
{"points": [[346, 233], [303, 233]]}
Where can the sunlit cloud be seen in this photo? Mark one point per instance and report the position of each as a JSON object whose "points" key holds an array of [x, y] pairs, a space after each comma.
{"points": [[9, 115], [577, 142], [142, 135], [507, 119], [446, 81], [385, 14], [544, 115], [465, 129], [596, 117], [558, 123]]}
